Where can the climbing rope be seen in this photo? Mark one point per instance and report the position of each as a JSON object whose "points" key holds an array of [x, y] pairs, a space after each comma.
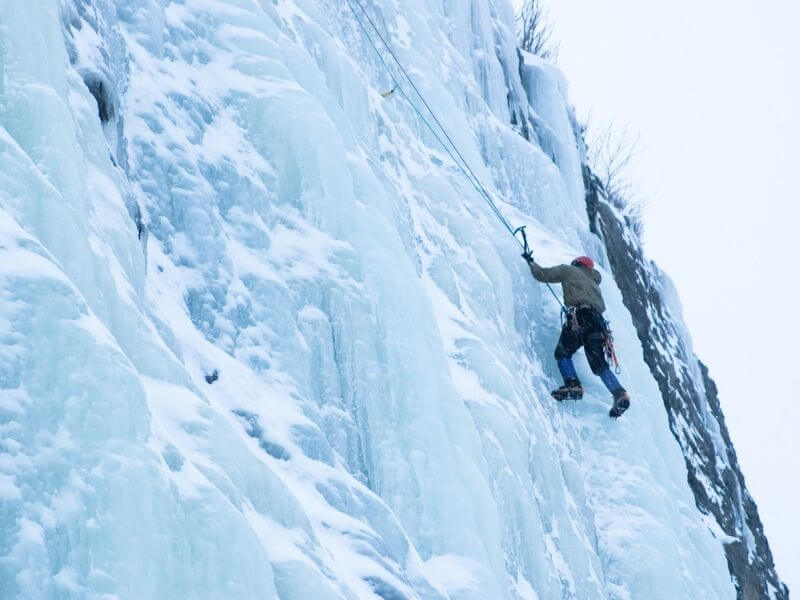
{"points": [[466, 169], [526, 251], [458, 157]]}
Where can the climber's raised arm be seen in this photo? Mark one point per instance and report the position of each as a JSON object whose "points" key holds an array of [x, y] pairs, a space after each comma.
{"points": [[555, 274]]}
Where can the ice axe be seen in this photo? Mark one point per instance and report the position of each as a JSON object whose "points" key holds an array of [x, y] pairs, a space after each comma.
{"points": [[526, 250]]}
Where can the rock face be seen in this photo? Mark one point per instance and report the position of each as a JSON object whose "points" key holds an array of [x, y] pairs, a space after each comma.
{"points": [[690, 399]]}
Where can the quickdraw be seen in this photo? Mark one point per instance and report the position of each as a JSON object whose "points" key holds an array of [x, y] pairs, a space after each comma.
{"points": [[571, 315], [611, 353]]}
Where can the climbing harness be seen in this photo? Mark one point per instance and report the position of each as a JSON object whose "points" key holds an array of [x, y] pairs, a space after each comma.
{"points": [[570, 316]]}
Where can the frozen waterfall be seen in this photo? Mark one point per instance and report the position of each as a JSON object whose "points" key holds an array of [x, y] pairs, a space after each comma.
{"points": [[192, 186]]}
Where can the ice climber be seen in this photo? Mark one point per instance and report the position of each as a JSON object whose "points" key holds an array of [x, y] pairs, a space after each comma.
{"points": [[584, 326]]}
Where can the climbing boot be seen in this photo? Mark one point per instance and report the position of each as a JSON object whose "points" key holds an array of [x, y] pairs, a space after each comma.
{"points": [[571, 390], [622, 402]]}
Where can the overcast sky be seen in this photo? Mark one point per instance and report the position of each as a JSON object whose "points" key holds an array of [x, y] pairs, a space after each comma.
{"points": [[713, 89]]}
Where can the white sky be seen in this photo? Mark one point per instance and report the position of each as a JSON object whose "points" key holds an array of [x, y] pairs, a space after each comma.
{"points": [[713, 87]]}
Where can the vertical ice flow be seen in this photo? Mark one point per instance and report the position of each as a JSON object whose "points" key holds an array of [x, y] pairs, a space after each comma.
{"points": [[381, 425]]}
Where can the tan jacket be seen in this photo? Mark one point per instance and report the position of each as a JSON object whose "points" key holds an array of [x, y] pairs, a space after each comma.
{"points": [[580, 285]]}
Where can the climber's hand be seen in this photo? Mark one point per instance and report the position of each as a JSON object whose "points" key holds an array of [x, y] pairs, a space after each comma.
{"points": [[528, 256]]}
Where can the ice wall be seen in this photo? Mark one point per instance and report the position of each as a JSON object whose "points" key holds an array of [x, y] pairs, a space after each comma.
{"points": [[217, 191]]}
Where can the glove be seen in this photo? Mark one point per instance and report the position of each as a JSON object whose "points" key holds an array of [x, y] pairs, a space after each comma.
{"points": [[528, 256]]}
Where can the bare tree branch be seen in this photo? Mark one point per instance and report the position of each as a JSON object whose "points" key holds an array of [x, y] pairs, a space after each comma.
{"points": [[535, 32], [610, 153]]}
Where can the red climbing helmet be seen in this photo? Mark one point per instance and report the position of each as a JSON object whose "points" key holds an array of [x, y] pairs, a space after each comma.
{"points": [[583, 261]]}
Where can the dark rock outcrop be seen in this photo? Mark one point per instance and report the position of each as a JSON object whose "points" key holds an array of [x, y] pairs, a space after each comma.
{"points": [[690, 399]]}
